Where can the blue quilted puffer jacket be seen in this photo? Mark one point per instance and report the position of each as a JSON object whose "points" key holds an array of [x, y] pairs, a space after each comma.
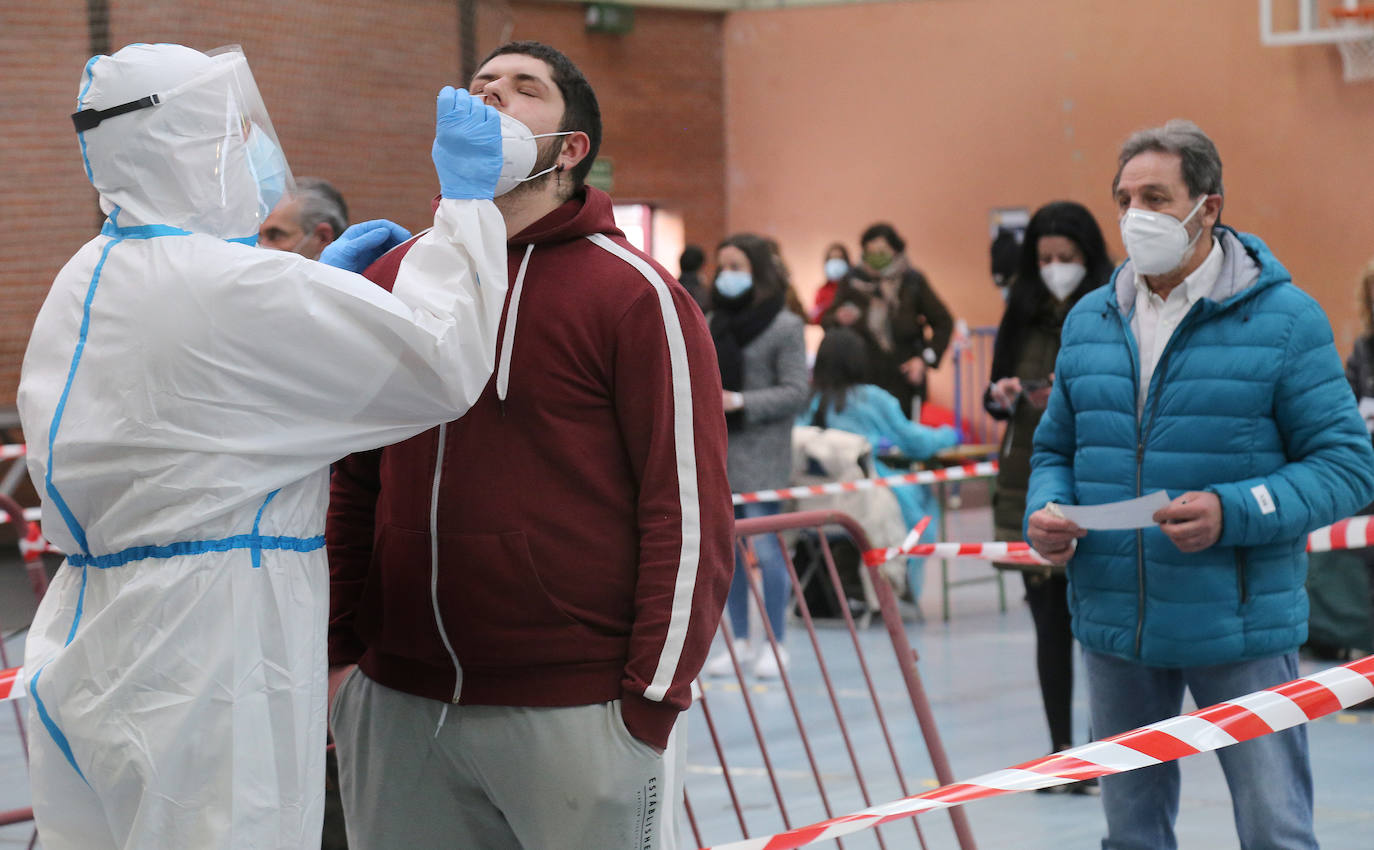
{"points": [[1249, 401]]}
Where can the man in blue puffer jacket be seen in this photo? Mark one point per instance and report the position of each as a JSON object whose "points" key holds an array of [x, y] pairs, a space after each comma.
{"points": [[1203, 371]]}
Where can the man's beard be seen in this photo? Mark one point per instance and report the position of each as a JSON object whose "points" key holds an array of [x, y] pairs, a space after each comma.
{"points": [[549, 149]]}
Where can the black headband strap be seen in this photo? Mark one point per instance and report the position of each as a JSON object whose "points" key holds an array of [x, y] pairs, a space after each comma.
{"points": [[87, 119]]}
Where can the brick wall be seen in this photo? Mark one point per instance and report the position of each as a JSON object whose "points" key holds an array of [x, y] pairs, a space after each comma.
{"points": [[47, 207], [350, 87]]}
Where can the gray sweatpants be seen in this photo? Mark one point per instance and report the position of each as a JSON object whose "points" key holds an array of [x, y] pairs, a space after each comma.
{"points": [[417, 773]]}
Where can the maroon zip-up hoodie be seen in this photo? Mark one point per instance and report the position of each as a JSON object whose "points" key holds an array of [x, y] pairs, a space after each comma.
{"points": [[568, 541]]}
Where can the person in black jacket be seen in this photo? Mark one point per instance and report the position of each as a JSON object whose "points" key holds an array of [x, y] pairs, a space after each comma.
{"points": [[889, 301], [690, 263], [1062, 258]]}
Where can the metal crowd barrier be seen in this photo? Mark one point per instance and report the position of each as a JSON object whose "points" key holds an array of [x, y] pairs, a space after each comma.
{"points": [[972, 359], [38, 579], [839, 714]]}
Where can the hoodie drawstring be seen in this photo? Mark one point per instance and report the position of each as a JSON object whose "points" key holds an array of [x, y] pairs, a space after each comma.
{"points": [[508, 341]]}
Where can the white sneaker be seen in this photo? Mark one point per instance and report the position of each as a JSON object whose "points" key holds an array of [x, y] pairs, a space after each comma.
{"points": [[770, 666], [720, 666]]}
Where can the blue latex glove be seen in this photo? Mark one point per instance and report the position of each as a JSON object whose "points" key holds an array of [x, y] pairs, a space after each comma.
{"points": [[467, 145], [360, 245]]}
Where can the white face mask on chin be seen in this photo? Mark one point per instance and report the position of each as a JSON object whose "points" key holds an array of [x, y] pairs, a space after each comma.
{"points": [[1158, 243], [1061, 279]]}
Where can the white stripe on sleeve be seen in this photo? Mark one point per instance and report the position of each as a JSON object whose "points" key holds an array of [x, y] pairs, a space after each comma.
{"points": [[684, 441]]}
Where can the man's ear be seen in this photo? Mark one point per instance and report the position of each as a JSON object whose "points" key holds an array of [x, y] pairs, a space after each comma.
{"points": [[575, 149], [1211, 210], [324, 231]]}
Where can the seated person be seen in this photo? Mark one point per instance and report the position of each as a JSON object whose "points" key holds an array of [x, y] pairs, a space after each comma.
{"points": [[841, 399]]}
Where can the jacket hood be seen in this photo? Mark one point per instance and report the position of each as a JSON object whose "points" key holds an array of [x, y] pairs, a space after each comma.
{"points": [[182, 162], [1248, 266], [587, 212]]}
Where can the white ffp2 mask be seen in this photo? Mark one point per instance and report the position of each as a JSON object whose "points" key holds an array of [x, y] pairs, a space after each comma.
{"points": [[1061, 279], [519, 151], [1157, 242]]}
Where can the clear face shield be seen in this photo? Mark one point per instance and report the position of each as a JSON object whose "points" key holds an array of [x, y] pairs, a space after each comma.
{"points": [[248, 124], [217, 124]]}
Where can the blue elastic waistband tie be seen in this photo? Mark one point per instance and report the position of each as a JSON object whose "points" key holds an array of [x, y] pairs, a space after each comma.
{"points": [[252, 542]]}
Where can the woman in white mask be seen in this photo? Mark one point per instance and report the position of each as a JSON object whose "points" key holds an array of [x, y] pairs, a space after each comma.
{"points": [[762, 358], [1063, 256]]}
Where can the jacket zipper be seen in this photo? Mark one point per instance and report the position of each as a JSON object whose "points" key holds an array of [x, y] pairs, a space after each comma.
{"points": [[1241, 584], [1139, 464], [434, 562], [1152, 399]]}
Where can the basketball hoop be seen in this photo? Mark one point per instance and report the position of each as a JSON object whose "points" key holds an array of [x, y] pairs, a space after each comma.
{"points": [[1357, 53]]}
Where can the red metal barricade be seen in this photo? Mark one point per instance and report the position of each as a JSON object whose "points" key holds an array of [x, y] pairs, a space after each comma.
{"points": [[847, 708], [972, 359], [38, 579]]}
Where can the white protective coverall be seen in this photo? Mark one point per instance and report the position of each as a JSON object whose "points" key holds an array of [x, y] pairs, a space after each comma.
{"points": [[183, 396]]}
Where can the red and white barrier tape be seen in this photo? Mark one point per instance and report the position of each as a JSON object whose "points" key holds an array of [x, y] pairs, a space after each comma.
{"points": [[11, 451], [1357, 532], [1011, 553], [984, 469], [11, 684], [34, 545], [1200, 731], [1353, 533], [30, 514]]}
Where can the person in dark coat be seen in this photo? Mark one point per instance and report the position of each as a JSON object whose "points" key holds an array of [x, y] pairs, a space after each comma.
{"points": [[889, 301], [689, 265], [1062, 258]]}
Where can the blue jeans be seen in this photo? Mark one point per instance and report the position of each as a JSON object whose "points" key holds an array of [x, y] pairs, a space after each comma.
{"points": [[777, 584], [1270, 777]]}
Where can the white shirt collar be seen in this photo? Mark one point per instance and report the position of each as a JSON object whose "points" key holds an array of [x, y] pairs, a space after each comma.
{"points": [[1197, 285]]}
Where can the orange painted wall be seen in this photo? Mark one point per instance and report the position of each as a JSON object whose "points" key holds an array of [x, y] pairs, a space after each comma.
{"points": [[930, 113]]}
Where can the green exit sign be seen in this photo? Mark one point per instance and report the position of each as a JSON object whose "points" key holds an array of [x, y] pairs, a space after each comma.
{"points": [[610, 17], [600, 173]]}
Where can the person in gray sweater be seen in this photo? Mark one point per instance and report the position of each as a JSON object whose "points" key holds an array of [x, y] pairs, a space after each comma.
{"points": [[762, 355]]}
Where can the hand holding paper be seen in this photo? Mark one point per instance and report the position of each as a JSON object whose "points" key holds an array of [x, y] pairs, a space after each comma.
{"points": [[1053, 536], [1192, 521], [1132, 513]]}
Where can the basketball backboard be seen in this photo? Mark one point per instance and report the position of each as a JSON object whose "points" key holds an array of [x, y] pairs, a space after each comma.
{"points": [[1288, 23]]}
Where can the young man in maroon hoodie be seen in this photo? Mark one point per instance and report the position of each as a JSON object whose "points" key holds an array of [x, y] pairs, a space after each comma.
{"points": [[528, 592]]}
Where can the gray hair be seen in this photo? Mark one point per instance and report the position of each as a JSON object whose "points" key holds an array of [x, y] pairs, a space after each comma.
{"points": [[320, 201], [1201, 162]]}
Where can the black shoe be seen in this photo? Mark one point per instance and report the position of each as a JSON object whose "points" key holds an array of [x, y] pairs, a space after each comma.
{"points": [[1086, 788]]}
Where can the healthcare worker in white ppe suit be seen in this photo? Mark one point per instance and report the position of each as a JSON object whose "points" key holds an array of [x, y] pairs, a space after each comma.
{"points": [[183, 395]]}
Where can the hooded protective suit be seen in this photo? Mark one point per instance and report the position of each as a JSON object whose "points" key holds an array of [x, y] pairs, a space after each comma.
{"points": [[183, 396]]}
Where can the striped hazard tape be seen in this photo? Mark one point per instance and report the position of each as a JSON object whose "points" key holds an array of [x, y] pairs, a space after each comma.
{"points": [[1357, 532], [11, 451], [11, 683], [1200, 731], [1010, 553], [33, 544], [30, 514], [985, 469], [1353, 533]]}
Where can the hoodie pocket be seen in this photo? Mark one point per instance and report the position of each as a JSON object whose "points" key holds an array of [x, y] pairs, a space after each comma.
{"points": [[396, 615], [499, 612]]}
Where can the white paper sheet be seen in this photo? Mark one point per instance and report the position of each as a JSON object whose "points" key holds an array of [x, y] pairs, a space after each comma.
{"points": [[1132, 513]]}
